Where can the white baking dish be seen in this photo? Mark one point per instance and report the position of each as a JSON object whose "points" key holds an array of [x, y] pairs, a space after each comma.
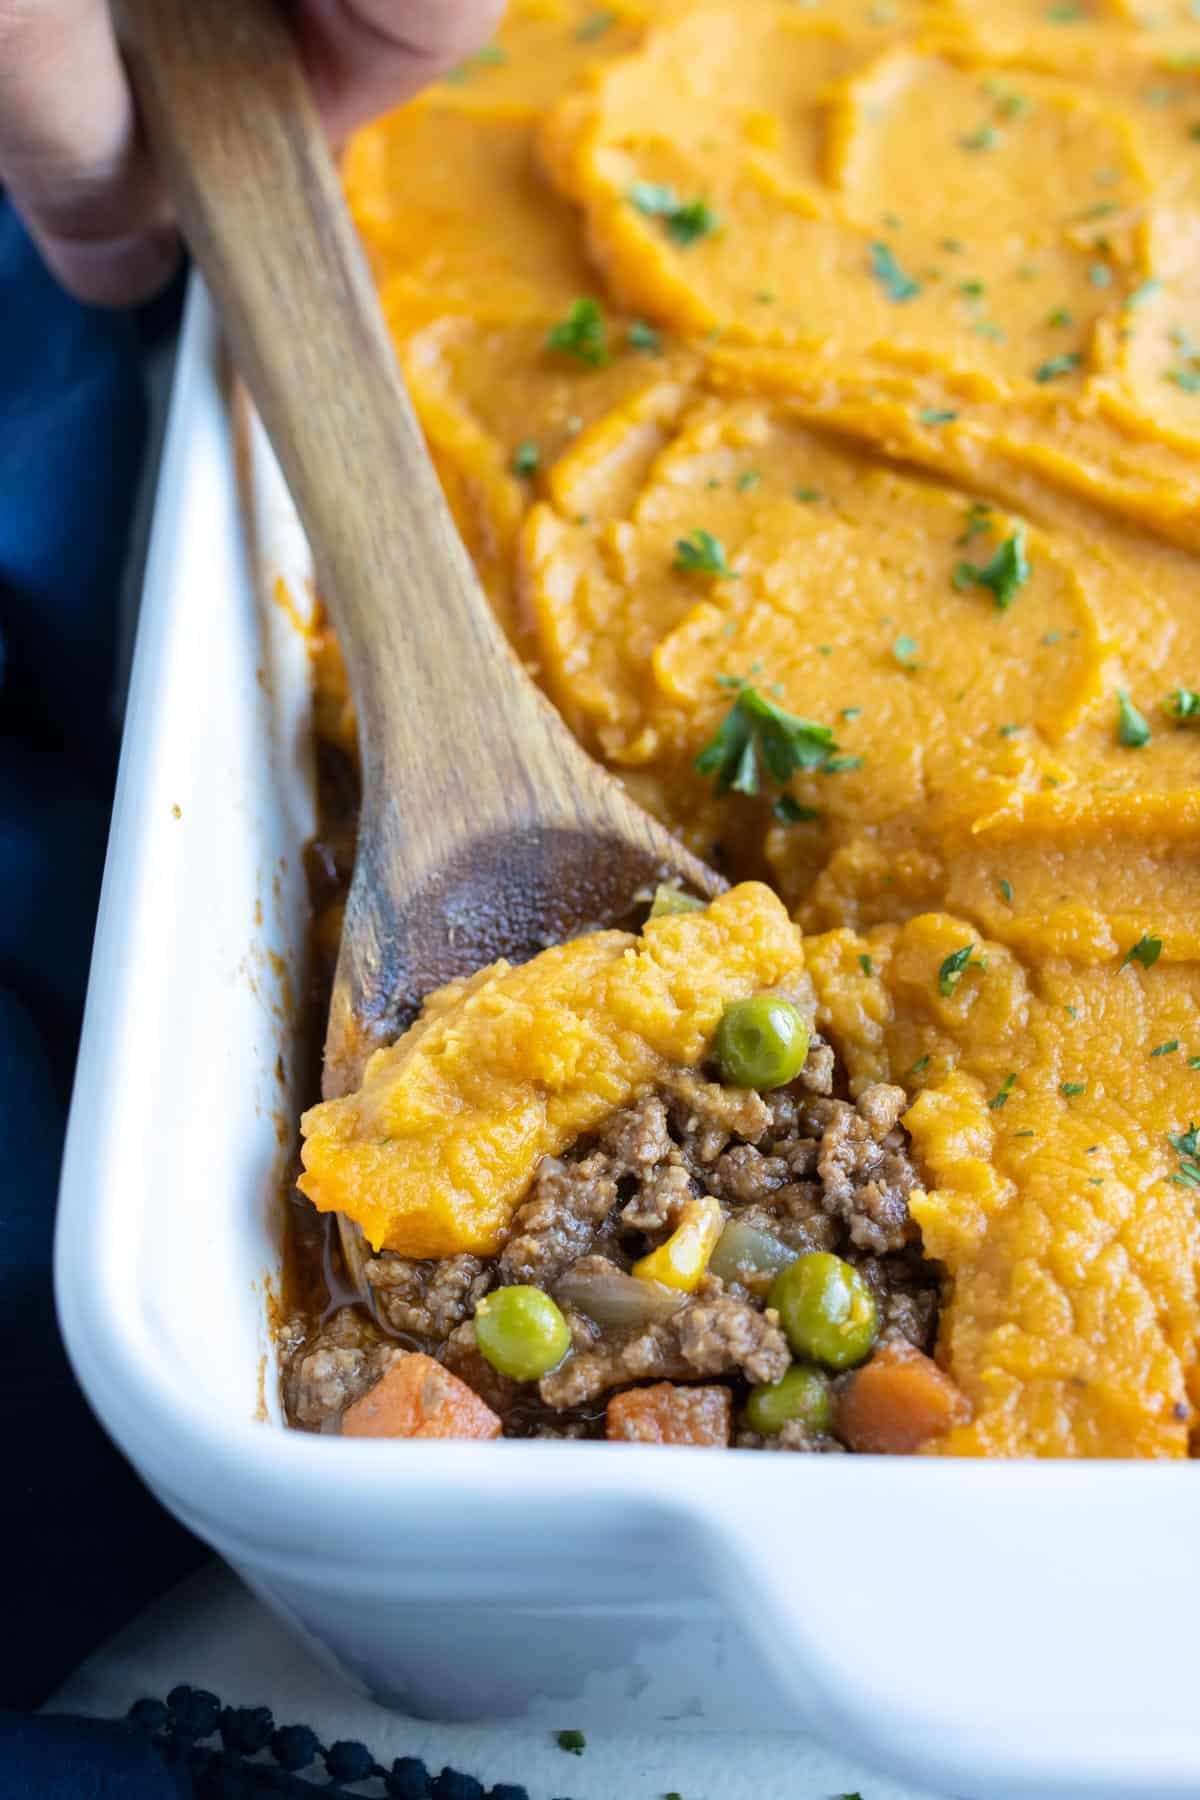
{"points": [[990, 1629]]}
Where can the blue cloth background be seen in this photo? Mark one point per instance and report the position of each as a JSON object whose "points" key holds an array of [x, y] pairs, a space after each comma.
{"points": [[84, 1545]]}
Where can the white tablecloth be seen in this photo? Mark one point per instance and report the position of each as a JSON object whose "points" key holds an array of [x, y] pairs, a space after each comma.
{"points": [[210, 1633]]}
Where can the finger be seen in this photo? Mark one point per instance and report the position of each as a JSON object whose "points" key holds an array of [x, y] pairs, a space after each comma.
{"points": [[72, 157], [365, 56]]}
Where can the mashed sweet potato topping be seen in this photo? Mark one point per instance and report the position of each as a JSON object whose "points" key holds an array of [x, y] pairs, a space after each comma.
{"points": [[434, 1151], [847, 356]]}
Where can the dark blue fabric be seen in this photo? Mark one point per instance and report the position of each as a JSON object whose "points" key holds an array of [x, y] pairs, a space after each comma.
{"points": [[84, 1546], [190, 1745], [83, 1759]]}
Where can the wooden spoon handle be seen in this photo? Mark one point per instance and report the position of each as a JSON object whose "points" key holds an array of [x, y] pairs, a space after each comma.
{"points": [[486, 830], [229, 108]]}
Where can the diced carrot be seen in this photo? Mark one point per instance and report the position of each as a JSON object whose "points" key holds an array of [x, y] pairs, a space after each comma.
{"points": [[665, 1414], [417, 1398], [897, 1402]]}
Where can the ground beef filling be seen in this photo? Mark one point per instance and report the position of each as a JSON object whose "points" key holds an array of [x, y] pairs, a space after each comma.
{"points": [[815, 1171]]}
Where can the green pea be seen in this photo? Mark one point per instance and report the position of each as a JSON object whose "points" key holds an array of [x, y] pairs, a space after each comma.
{"points": [[802, 1394], [761, 1042], [521, 1332], [826, 1309]]}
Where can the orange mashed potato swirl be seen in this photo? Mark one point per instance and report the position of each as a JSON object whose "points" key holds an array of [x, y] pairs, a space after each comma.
{"points": [[890, 314]]}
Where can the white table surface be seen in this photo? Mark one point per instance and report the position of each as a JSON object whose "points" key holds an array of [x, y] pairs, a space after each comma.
{"points": [[211, 1633]]}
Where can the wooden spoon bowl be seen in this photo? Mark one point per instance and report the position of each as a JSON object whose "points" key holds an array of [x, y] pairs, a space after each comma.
{"points": [[486, 831]]}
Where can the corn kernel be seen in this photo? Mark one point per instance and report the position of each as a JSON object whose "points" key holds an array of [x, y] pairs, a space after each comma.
{"points": [[681, 1261]]}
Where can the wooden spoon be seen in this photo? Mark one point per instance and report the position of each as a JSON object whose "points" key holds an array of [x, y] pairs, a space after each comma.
{"points": [[485, 830]]}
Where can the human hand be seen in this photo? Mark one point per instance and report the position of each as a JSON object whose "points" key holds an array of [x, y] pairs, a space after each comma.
{"points": [[78, 168]]}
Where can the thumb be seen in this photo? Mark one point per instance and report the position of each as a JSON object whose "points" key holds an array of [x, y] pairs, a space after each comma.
{"points": [[364, 56], [71, 155]]}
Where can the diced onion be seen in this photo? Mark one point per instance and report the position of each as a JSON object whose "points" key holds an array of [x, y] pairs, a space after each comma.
{"points": [[750, 1255], [671, 899], [611, 1297]]}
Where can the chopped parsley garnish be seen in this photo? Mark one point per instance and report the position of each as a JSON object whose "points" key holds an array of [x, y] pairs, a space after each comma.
{"points": [[1186, 1145], [491, 56], [1141, 294], [999, 1099], [986, 138], [1146, 951], [919, 1067], [1167, 1049], [1064, 15], [1194, 1062], [787, 811], [1133, 730], [1028, 1132], [1185, 379], [654, 198], [1008, 101], [936, 415], [905, 652], [807, 493], [979, 518], [866, 965], [1182, 703], [694, 220], [1069, 1089], [955, 966], [747, 479], [526, 458], [1007, 731], [851, 712], [686, 220], [891, 277], [644, 337], [595, 25], [954, 245], [1058, 365], [700, 553], [756, 737], [1060, 316], [1004, 575], [1006, 891], [581, 334], [1100, 275], [573, 1742]]}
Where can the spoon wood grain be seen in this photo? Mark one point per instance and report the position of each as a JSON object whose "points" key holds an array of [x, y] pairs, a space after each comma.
{"points": [[485, 830]]}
